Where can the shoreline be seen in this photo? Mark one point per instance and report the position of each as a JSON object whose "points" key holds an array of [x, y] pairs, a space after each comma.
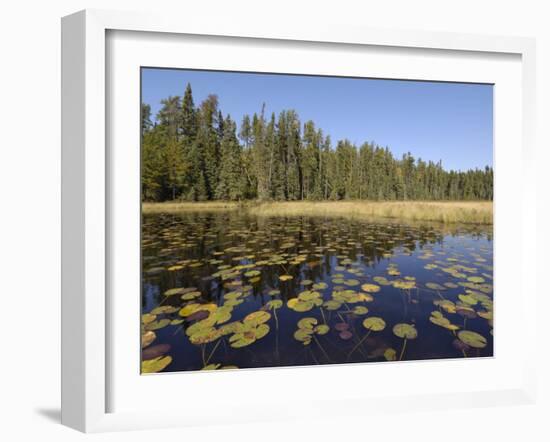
{"points": [[464, 212]]}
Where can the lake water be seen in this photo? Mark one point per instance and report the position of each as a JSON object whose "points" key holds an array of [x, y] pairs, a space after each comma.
{"points": [[226, 290]]}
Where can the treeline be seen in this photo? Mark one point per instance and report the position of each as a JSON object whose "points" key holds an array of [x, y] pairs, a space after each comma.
{"points": [[198, 154]]}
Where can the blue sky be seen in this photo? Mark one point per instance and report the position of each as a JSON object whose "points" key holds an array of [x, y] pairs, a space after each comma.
{"points": [[448, 121]]}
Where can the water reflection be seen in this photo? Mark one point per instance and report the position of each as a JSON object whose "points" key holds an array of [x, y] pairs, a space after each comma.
{"points": [[206, 277]]}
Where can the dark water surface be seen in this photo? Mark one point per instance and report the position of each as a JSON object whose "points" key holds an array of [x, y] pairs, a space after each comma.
{"points": [[213, 296]]}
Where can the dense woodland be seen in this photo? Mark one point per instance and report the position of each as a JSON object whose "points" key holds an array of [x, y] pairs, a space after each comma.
{"points": [[199, 154]]}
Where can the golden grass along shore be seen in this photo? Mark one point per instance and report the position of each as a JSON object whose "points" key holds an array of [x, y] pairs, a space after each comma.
{"points": [[186, 206], [469, 212]]}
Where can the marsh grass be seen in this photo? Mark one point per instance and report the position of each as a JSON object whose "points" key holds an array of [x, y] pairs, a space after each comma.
{"points": [[468, 212], [175, 207]]}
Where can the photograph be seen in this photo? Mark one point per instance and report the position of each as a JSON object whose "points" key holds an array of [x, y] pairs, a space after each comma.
{"points": [[302, 220]]}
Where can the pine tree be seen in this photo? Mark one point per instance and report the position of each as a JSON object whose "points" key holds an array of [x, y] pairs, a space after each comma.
{"points": [[188, 116], [260, 157], [207, 143], [151, 166], [169, 116], [146, 123], [231, 182], [188, 134]]}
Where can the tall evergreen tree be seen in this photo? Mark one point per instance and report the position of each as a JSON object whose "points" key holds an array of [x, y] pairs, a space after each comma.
{"points": [[231, 184], [207, 143], [146, 123]]}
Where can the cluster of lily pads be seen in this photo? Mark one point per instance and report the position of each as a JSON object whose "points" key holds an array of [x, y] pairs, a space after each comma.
{"points": [[230, 284]]}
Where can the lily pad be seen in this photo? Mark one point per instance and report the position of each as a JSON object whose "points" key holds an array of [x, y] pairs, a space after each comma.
{"points": [[370, 288], [332, 304], [156, 325], [345, 335], [360, 310], [257, 318], [321, 329], [164, 309], [341, 326], [406, 331], [435, 286], [303, 335], [468, 299], [472, 339], [248, 335], [476, 279], [286, 277], [155, 365], [308, 323], [437, 318], [175, 291], [147, 338], [274, 304], [147, 318], [390, 354], [374, 323], [155, 351], [299, 305]]}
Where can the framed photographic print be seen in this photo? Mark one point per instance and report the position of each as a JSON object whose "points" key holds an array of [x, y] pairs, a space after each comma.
{"points": [[277, 209]]}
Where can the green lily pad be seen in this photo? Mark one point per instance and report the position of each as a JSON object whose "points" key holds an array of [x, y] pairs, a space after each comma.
{"points": [[308, 323], [189, 309], [446, 305], [437, 318], [390, 354], [155, 365], [233, 302], [248, 335], [189, 296], [211, 367], [299, 305], [156, 325], [176, 291], [332, 304], [164, 309], [374, 323], [303, 335], [274, 304], [147, 338], [468, 299], [321, 329], [370, 288], [476, 279], [257, 318], [404, 285], [406, 331], [435, 286], [360, 310], [308, 295], [147, 318], [472, 339]]}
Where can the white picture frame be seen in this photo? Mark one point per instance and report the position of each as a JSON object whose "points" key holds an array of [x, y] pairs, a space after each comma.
{"points": [[87, 206]]}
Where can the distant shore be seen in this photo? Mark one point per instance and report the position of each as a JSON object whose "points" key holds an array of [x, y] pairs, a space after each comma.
{"points": [[468, 212]]}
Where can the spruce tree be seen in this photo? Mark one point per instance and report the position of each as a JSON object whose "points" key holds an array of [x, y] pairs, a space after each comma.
{"points": [[230, 183]]}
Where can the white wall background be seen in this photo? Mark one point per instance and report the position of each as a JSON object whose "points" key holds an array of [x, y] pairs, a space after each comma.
{"points": [[30, 218]]}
